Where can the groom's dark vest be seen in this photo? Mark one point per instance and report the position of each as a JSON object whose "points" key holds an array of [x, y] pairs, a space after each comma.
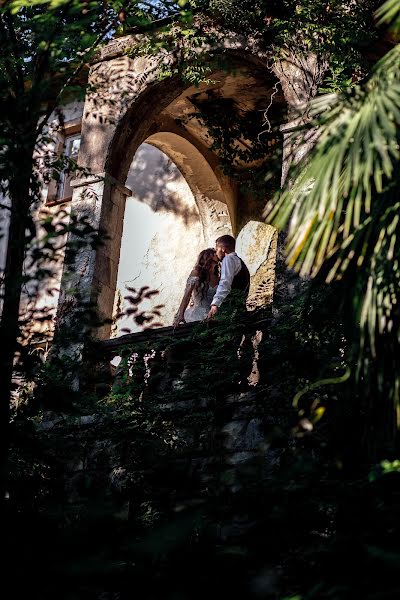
{"points": [[241, 281]]}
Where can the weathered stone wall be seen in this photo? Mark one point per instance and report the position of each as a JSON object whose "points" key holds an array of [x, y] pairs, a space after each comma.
{"points": [[40, 297], [162, 235], [256, 245], [186, 449], [167, 223], [127, 105]]}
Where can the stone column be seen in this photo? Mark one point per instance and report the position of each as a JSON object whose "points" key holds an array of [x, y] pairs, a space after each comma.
{"points": [[90, 272], [256, 245], [89, 277]]}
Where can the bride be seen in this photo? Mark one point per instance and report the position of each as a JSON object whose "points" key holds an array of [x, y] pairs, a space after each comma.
{"points": [[200, 289]]}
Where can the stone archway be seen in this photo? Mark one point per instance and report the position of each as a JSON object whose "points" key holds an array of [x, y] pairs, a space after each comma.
{"points": [[122, 110], [177, 208]]}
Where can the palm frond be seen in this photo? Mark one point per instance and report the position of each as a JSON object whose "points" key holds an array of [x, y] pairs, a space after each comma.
{"points": [[389, 13], [343, 211], [356, 152]]}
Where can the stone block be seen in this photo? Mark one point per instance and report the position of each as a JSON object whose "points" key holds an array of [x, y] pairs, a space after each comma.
{"points": [[233, 434], [241, 458], [253, 435], [256, 245], [89, 419], [110, 216], [104, 268], [242, 434]]}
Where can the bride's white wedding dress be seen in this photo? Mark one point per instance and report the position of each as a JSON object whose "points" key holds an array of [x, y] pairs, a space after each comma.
{"points": [[199, 304]]}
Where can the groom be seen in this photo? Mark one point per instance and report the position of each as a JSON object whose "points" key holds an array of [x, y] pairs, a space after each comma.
{"points": [[234, 273]]}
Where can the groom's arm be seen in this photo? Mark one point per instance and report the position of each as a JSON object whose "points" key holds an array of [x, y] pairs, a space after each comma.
{"points": [[228, 272]]}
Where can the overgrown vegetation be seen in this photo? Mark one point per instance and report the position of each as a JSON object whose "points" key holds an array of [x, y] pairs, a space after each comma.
{"points": [[133, 486], [45, 47], [343, 216], [337, 32], [127, 482]]}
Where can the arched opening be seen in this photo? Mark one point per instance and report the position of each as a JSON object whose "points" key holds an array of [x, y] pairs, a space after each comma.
{"points": [[127, 110], [181, 199], [176, 209]]}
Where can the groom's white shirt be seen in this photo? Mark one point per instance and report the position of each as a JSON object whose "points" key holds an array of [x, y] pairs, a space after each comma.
{"points": [[230, 267]]}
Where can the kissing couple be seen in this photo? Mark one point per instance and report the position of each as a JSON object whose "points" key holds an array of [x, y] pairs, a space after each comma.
{"points": [[216, 273]]}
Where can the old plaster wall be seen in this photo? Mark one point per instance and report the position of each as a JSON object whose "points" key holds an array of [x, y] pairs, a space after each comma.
{"points": [[161, 238], [42, 297]]}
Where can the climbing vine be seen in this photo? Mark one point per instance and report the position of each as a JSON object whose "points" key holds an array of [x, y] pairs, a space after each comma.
{"points": [[338, 32]]}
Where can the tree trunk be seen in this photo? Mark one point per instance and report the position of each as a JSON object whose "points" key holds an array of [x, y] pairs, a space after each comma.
{"points": [[9, 325]]}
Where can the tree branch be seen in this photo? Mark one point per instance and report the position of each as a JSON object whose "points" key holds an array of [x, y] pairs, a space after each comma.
{"points": [[9, 33], [73, 75]]}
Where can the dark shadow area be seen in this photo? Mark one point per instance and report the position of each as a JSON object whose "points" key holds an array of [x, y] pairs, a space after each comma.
{"points": [[173, 476]]}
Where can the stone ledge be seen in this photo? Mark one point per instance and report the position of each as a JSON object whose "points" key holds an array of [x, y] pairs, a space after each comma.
{"points": [[100, 177], [175, 333]]}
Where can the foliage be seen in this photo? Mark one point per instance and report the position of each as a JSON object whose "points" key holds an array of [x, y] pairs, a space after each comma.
{"points": [[237, 138], [337, 32], [180, 49], [343, 216], [45, 48], [136, 512], [131, 511]]}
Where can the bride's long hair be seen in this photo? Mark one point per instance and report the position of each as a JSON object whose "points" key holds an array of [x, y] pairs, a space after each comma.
{"points": [[202, 269]]}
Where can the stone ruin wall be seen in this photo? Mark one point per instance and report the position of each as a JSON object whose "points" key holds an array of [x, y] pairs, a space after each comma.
{"points": [[121, 83], [118, 116], [232, 448]]}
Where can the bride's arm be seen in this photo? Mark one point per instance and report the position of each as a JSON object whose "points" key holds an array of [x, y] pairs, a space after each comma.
{"points": [[179, 317]]}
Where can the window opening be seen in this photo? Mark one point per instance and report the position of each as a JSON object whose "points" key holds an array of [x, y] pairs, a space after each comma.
{"points": [[70, 150]]}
